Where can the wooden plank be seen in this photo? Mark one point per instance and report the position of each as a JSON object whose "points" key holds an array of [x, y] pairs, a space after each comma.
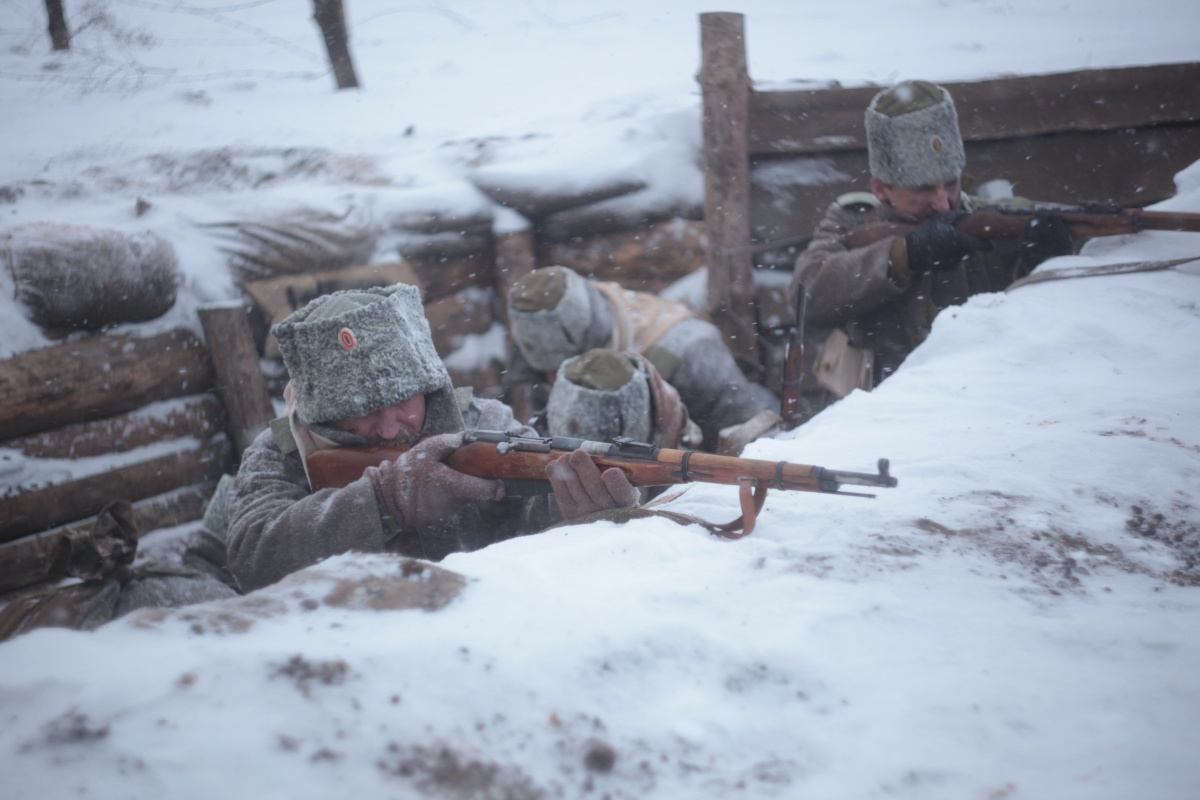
{"points": [[240, 382], [200, 416], [648, 259], [725, 87], [442, 276], [831, 119], [470, 311], [1132, 168], [26, 561], [41, 509], [98, 377], [515, 259], [278, 297]]}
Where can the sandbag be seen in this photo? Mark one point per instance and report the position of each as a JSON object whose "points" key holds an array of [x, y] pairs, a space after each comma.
{"points": [[72, 277], [112, 586], [297, 240]]}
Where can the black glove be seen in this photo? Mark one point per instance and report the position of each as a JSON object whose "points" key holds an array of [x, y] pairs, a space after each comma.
{"points": [[936, 244], [1045, 236]]}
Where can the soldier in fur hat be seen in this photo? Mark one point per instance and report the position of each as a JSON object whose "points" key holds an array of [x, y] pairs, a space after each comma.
{"points": [[363, 370], [870, 306], [555, 314], [604, 394]]}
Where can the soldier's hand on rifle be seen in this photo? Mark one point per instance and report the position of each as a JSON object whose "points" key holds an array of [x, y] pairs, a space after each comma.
{"points": [[417, 489], [936, 244], [581, 488], [1045, 236]]}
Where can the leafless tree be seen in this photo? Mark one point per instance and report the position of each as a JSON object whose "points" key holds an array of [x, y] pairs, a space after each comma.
{"points": [[60, 37], [331, 18]]}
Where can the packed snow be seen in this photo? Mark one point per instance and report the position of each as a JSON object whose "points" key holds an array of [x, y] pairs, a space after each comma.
{"points": [[1017, 619]]}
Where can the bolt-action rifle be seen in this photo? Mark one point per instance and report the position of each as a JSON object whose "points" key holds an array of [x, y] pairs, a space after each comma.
{"points": [[792, 407], [520, 462], [1003, 222]]}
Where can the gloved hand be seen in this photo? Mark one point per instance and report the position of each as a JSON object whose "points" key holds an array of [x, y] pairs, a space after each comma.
{"points": [[1045, 236], [936, 244], [581, 488], [417, 489]]}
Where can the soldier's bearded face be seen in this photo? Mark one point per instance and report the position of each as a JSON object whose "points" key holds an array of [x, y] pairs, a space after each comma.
{"points": [[920, 202], [396, 423]]}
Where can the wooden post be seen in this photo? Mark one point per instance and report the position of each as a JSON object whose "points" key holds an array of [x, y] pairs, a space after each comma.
{"points": [[240, 383], [60, 37], [725, 86], [331, 18], [514, 260]]}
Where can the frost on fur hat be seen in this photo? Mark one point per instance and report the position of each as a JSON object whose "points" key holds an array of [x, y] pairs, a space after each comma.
{"points": [[912, 135], [549, 313], [353, 352], [599, 395]]}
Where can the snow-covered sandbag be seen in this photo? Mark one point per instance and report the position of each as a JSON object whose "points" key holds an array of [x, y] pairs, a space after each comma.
{"points": [[292, 238], [80, 278]]}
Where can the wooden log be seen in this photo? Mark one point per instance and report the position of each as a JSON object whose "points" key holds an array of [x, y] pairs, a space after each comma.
{"points": [[41, 509], [200, 417], [725, 86], [99, 377], [240, 382], [26, 561], [648, 260]]}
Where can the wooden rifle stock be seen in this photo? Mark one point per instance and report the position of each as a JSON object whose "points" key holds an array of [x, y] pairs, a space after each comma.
{"points": [[1083, 222], [520, 462], [792, 408]]}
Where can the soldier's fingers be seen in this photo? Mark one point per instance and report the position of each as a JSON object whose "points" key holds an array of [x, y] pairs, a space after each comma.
{"points": [[623, 493], [589, 477], [568, 492]]}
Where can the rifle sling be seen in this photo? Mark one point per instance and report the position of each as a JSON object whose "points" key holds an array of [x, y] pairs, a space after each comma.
{"points": [[1127, 268], [752, 504]]}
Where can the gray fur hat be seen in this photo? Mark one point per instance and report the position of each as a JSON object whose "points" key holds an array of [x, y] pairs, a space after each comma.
{"points": [[353, 352], [549, 313], [599, 395], [913, 137]]}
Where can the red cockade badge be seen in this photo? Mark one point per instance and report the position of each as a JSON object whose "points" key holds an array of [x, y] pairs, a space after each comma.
{"points": [[347, 339]]}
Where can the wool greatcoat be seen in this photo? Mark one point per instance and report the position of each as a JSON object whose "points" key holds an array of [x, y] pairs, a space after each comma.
{"points": [[879, 303], [688, 352], [278, 525]]}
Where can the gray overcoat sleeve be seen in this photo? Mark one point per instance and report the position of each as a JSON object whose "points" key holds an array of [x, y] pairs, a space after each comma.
{"points": [[277, 526], [844, 284]]}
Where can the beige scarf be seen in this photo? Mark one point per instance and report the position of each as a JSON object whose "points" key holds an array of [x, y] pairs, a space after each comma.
{"points": [[640, 319], [307, 440]]}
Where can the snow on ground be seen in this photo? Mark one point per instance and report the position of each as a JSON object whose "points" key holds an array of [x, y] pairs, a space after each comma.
{"points": [[1015, 620]]}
